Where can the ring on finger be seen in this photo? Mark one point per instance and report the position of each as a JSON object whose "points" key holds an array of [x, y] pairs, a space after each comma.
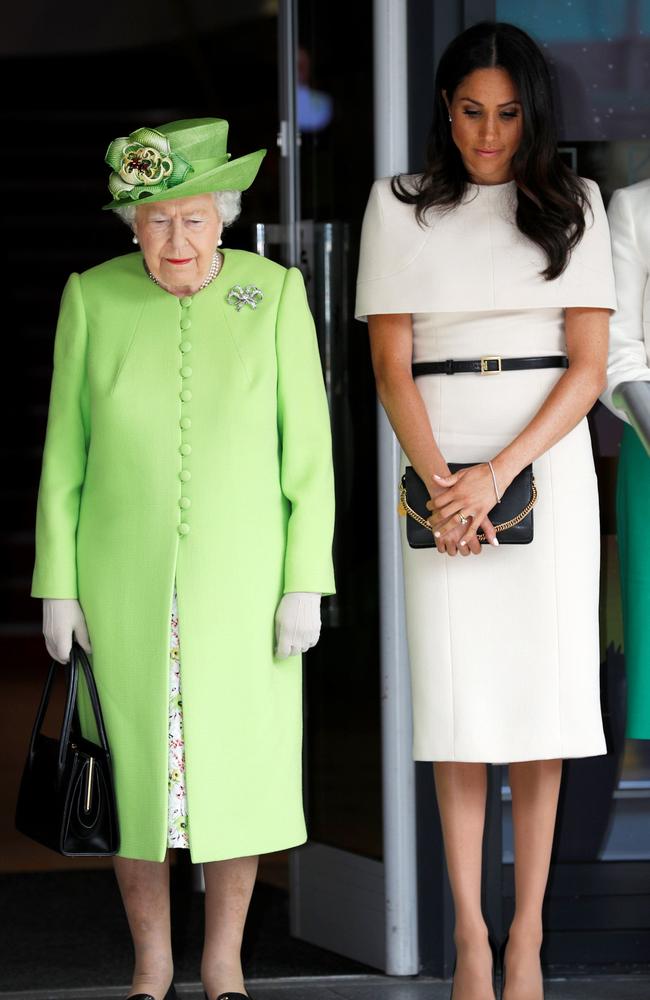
{"points": [[462, 518]]}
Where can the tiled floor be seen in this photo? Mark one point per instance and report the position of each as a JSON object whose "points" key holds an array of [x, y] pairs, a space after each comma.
{"points": [[629, 987]]}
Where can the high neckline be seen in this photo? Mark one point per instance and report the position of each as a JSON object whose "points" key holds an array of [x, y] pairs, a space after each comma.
{"points": [[503, 195], [505, 186]]}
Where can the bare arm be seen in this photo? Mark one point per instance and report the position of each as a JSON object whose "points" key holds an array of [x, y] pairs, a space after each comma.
{"points": [[587, 333], [570, 400], [391, 345]]}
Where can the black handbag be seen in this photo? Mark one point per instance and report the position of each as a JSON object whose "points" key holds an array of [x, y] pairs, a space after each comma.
{"points": [[512, 517], [66, 799]]}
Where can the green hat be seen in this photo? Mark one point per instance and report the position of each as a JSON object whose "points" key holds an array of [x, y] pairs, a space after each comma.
{"points": [[182, 158]]}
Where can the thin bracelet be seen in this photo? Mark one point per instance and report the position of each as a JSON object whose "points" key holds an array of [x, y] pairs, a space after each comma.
{"points": [[494, 480]]}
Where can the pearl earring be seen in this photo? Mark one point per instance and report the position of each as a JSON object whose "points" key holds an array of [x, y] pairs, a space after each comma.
{"points": [[135, 239], [219, 243], [449, 117]]}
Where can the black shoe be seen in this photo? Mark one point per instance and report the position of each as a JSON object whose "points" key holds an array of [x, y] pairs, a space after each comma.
{"points": [[494, 948], [502, 962], [169, 995], [231, 996]]}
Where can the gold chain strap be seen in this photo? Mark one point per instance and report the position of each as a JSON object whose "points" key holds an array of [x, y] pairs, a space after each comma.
{"points": [[480, 535]]}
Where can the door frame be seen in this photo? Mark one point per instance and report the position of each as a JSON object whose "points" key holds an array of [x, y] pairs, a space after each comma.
{"points": [[356, 906]]}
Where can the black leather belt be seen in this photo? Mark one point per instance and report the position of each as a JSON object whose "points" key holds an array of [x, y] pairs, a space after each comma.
{"points": [[491, 364]]}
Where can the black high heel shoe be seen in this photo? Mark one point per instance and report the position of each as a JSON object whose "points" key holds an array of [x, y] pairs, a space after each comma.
{"points": [[494, 949], [231, 996], [502, 962], [169, 995]]}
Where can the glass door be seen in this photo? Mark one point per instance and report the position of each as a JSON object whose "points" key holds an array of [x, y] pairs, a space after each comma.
{"points": [[326, 169]]}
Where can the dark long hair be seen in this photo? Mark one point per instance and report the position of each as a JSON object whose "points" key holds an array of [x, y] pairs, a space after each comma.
{"points": [[551, 200]]}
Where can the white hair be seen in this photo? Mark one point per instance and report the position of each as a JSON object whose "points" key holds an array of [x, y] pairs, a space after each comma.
{"points": [[227, 204]]}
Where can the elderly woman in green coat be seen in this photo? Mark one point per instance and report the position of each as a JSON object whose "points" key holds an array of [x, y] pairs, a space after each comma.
{"points": [[184, 531]]}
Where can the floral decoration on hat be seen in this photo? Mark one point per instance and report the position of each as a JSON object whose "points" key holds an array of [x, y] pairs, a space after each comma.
{"points": [[143, 165]]}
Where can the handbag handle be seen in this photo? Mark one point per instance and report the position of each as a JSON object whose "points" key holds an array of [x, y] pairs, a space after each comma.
{"points": [[77, 657], [79, 654]]}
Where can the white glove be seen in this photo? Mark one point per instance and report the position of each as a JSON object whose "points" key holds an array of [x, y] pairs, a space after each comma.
{"points": [[297, 624], [63, 618]]}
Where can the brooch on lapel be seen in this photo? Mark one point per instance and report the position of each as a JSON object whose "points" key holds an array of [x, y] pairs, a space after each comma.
{"points": [[238, 297]]}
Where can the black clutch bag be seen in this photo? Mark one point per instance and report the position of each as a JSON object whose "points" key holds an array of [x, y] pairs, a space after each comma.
{"points": [[66, 799], [512, 518]]}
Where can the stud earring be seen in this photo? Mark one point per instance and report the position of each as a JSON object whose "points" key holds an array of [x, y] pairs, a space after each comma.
{"points": [[219, 243], [134, 240]]}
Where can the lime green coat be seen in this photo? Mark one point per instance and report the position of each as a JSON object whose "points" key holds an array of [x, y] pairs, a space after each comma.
{"points": [[190, 441]]}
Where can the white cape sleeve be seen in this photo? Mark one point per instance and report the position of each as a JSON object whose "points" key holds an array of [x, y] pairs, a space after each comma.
{"points": [[629, 357], [390, 240]]}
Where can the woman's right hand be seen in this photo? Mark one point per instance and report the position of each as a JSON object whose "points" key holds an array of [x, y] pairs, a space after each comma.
{"points": [[469, 490], [450, 544], [64, 620]]}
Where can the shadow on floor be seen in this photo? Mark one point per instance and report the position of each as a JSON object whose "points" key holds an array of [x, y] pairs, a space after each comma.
{"points": [[67, 930], [628, 987], [65, 938]]}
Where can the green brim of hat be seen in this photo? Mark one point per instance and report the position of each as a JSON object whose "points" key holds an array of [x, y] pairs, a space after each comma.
{"points": [[236, 175]]}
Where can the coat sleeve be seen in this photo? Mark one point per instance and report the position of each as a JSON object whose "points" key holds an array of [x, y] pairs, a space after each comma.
{"points": [[628, 360], [306, 472], [65, 453]]}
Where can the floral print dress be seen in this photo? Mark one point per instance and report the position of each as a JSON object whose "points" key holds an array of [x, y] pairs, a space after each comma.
{"points": [[177, 822]]}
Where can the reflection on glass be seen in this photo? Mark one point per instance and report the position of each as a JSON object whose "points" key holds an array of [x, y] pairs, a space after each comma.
{"points": [[315, 107], [343, 729], [598, 53]]}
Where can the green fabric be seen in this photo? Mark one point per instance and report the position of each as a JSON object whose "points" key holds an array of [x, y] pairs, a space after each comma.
{"points": [[177, 160], [144, 165], [260, 524], [633, 507]]}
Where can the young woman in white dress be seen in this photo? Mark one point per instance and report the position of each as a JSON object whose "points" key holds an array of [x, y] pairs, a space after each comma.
{"points": [[497, 249]]}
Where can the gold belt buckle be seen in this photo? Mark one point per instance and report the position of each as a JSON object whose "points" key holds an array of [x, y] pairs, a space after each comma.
{"points": [[484, 364]]}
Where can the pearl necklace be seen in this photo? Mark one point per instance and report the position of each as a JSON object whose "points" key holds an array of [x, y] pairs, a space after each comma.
{"points": [[215, 267]]}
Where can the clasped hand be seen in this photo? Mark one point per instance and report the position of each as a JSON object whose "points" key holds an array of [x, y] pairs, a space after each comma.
{"points": [[468, 493]]}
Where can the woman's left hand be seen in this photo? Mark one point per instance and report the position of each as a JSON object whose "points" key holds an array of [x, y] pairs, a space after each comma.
{"points": [[470, 493], [297, 624]]}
